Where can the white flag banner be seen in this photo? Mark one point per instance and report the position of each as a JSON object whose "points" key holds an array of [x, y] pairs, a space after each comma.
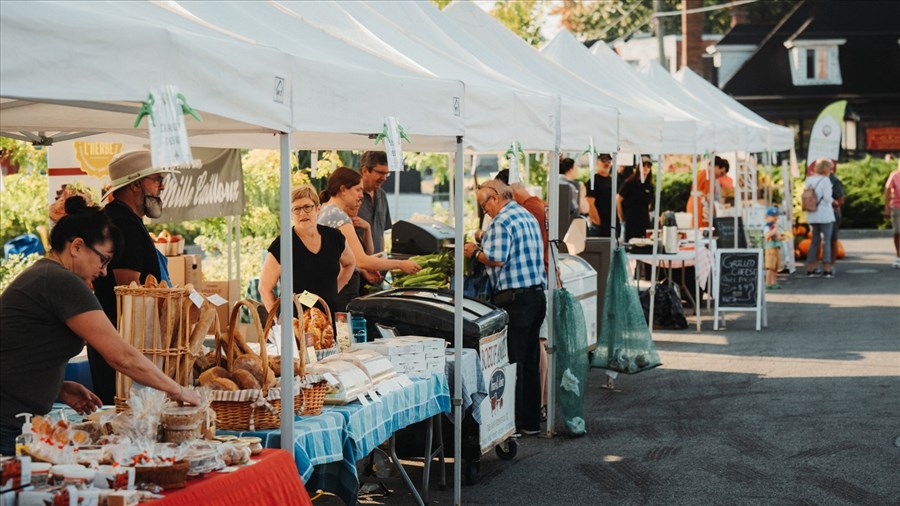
{"points": [[169, 147], [514, 176], [392, 144]]}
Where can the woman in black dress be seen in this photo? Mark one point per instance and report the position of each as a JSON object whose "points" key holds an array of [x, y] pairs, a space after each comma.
{"points": [[322, 262], [635, 200]]}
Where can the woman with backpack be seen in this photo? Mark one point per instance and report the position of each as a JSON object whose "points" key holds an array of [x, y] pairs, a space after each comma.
{"points": [[816, 201]]}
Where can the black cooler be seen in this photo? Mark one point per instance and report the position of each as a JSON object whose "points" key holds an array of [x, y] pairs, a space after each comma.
{"points": [[420, 237], [428, 312]]}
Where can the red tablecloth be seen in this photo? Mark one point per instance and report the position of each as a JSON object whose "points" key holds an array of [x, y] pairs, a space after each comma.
{"points": [[273, 479]]}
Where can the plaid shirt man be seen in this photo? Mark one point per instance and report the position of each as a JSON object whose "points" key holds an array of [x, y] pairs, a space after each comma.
{"points": [[514, 238]]}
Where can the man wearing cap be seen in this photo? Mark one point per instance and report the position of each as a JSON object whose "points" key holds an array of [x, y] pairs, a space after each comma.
{"points": [[513, 253], [136, 187], [599, 197], [374, 206]]}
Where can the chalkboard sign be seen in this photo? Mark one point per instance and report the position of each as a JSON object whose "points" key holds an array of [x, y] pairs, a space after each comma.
{"points": [[738, 284], [725, 231]]}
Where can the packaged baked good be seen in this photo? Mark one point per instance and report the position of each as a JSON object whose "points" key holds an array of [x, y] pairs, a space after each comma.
{"points": [[179, 436], [182, 417]]}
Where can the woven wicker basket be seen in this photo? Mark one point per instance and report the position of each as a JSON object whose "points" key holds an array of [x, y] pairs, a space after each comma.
{"points": [[246, 410], [155, 319]]}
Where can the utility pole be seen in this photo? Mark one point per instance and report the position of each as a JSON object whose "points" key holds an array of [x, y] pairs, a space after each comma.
{"points": [[657, 8]]}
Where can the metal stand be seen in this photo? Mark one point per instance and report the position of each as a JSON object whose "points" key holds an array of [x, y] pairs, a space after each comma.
{"points": [[430, 454], [397, 465]]}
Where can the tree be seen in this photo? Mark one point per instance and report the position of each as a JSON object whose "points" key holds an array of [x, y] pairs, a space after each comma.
{"points": [[523, 17], [611, 19], [441, 3]]}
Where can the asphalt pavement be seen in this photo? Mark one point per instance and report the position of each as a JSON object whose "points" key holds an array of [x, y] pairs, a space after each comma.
{"points": [[804, 412]]}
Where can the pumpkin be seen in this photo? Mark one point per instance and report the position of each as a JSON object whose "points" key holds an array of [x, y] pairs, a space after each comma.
{"points": [[802, 250], [801, 230]]}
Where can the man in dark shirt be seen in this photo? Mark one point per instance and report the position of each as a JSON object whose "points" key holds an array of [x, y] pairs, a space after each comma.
{"points": [[136, 189], [374, 206], [599, 197]]}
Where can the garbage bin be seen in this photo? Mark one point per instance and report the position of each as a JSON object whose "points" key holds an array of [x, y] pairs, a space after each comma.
{"points": [[596, 253], [580, 279]]}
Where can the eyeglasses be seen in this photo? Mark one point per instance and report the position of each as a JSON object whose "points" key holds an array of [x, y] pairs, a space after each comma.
{"points": [[308, 208], [104, 259], [382, 173], [481, 205], [158, 179]]}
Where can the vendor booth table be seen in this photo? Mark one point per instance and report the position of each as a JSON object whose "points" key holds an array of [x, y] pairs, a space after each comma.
{"points": [[680, 260], [328, 446], [271, 479]]}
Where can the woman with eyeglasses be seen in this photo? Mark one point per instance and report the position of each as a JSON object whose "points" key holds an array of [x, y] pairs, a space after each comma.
{"points": [[48, 314], [343, 191], [322, 262]]}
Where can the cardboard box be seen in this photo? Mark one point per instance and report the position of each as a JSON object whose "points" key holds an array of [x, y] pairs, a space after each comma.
{"points": [[229, 290], [16, 473], [186, 269]]}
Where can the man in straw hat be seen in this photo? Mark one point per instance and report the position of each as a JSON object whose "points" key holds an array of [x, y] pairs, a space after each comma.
{"points": [[136, 187]]}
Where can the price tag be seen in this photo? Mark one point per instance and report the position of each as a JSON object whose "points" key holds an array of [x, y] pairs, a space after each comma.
{"points": [[311, 355], [330, 379], [196, 298], [308, 299], [362, 399], [216, 299]]}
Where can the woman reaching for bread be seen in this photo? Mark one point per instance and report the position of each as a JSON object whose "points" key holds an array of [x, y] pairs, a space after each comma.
{"points": [[48, 314], [343, 191]]}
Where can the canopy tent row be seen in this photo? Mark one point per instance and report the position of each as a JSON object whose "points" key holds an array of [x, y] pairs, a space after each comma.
{"points": [[457, 80]]}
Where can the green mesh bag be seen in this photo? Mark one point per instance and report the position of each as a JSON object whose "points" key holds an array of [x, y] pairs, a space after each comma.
{"points": [[625, 343], [571, 361]]}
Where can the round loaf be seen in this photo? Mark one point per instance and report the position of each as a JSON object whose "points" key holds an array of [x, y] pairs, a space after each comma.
{"points": [[207, 376], [251, 363], [223, 384], [245, 380], [275, 365]]}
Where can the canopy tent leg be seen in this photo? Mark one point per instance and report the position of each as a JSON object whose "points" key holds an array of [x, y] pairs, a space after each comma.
{"points": [[655, 227], [458, 257], [553, 197], [697, 239], [287, 291]]}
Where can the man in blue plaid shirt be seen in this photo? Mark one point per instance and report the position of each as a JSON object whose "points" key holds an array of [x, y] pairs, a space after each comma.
{"points": [[513, 252]]}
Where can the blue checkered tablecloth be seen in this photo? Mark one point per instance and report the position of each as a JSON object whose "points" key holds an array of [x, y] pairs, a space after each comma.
{"points": [[327, 446]]}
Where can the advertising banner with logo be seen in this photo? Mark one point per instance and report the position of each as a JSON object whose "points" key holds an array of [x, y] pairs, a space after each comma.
{"points": [[825, 138], [498, 410], [214, 189]]}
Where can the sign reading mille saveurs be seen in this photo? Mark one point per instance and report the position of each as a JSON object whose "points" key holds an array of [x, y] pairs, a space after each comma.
{"points": [[215, 189]]}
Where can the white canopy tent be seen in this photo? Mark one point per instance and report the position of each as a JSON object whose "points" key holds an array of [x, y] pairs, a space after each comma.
{"points": [[764, 136], [499, 110], [229, 79], [637, 130], [681, 132]]}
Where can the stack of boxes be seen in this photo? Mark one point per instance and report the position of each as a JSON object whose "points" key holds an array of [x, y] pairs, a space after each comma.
{"points": [[16, 477], [414, 355]]}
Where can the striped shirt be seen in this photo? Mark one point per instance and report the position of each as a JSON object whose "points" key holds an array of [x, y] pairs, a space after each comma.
{"points": [[514, 238]]}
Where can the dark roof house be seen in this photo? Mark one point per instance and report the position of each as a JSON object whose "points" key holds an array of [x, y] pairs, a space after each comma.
{"points": [[822, 51]]}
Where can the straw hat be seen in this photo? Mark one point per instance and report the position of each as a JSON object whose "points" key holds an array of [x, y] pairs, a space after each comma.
{"points": [[128, 167]]}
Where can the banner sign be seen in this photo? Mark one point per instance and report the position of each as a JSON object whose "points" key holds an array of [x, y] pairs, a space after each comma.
{"points": [[883, 139], [216, 189], [498, 413], [825, 138]]}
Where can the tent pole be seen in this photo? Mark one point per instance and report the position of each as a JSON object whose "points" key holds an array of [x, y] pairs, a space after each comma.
{"points": [[613, 237], [697, 237], [553, 197], [287, 291], [229, 224], [459, 239], [655, 236], [397, 193], [237, 256]]}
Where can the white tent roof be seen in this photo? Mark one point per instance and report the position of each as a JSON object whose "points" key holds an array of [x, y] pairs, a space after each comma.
{"points": [[56, 58], [765, 136], [334, 77], [681, 132], [729, 135], [498, 109], [583, 114], [637, 130]]}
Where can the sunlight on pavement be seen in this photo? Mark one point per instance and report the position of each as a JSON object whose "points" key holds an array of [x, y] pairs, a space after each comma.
{"points": [[867, 364], [692, 338]]}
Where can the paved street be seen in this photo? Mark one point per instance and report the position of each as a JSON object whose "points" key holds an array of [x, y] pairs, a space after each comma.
{"points": [[805, 412]]}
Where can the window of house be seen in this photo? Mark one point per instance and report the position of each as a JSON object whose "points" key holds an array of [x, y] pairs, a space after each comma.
{"points": [[815, 62]]}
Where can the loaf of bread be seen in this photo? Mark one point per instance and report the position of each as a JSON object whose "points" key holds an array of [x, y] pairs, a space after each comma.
{"points": [[213, 373], [245, 380], [327, 337], [275, 365], [223, 384], [253, 364]]}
